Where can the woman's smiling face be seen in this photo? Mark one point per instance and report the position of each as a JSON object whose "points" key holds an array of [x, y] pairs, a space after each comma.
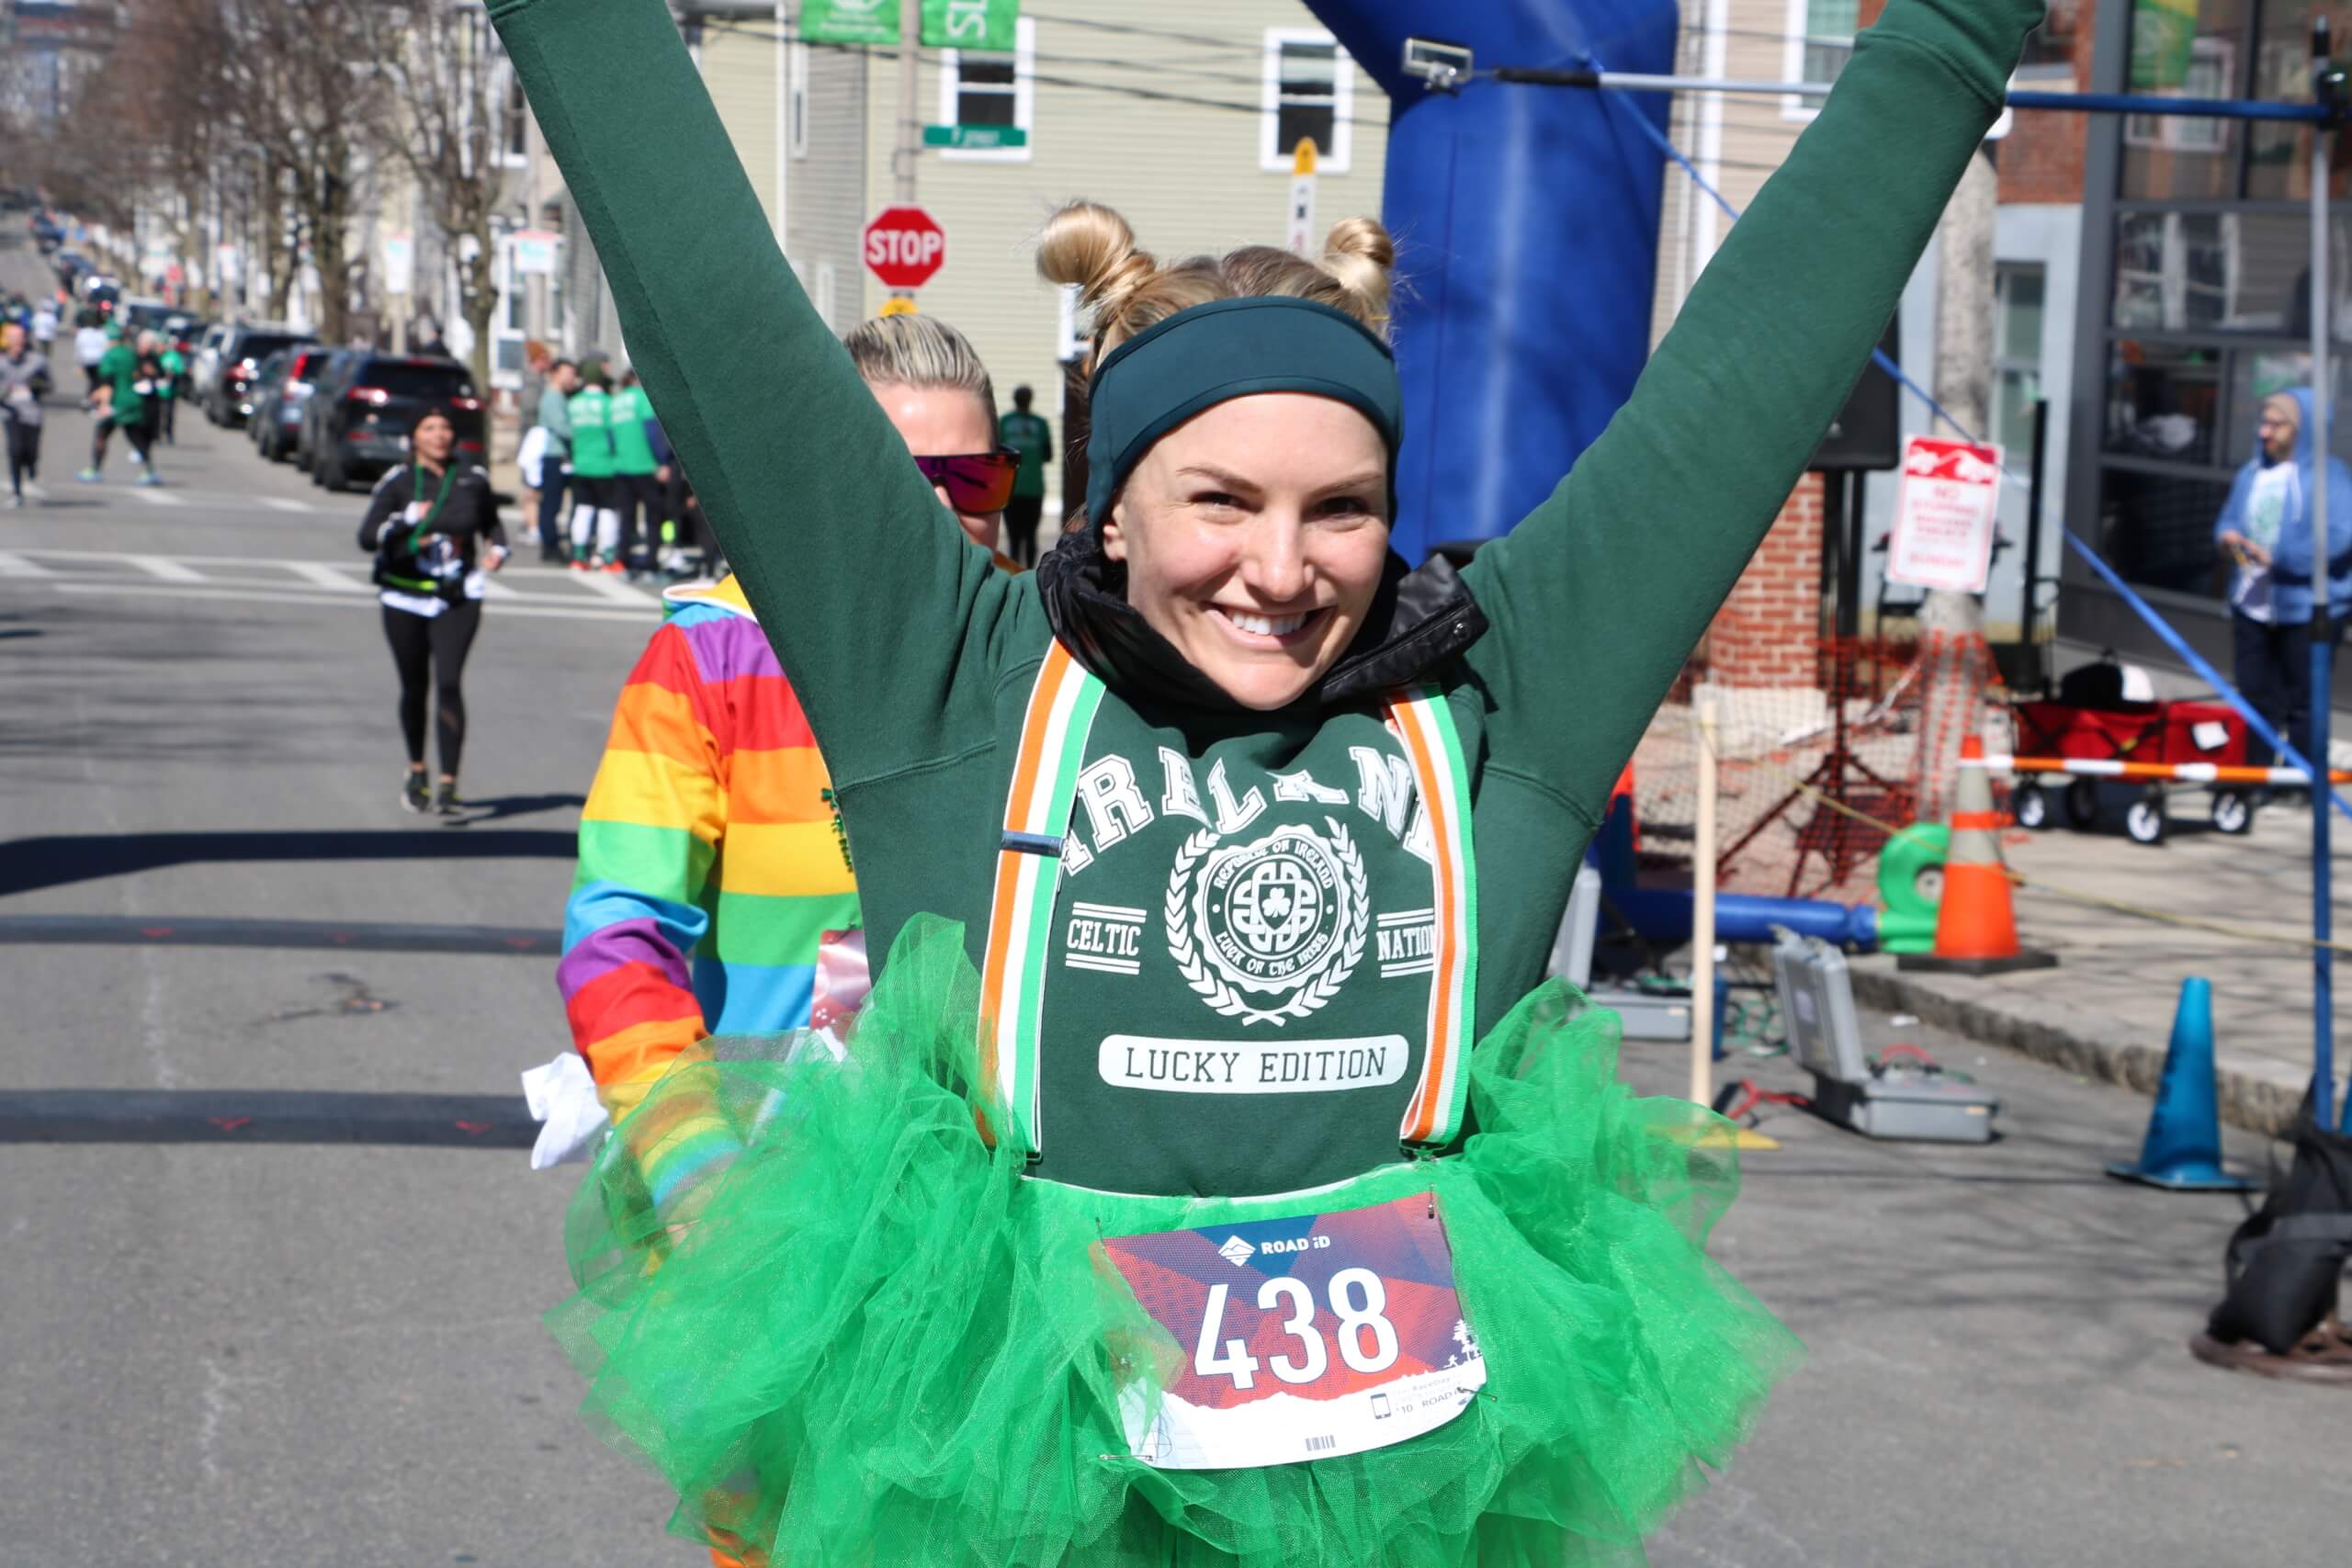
{"points": [[1254, 535]]}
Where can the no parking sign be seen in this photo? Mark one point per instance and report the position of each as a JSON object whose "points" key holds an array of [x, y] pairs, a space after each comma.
{"points": [[1943, 516]]}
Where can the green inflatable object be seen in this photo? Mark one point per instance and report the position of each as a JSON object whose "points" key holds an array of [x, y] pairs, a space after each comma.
{"points": [[1909, 923]]}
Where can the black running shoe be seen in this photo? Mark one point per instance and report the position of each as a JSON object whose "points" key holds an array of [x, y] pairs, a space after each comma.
{"points": [[444, 798], [414, 797]]}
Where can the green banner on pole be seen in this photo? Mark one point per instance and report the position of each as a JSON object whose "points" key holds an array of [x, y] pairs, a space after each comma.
{"points": [[2164, 37], [985, 24], [850, 21]]}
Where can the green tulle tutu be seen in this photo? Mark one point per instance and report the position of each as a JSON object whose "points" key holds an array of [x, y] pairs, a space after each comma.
{"points": [[872, 1340]]}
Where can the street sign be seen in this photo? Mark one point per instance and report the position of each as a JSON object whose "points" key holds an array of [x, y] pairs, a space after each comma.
{"points": [[1943, 516], [904, 247], [985, 24], [1300, 239], [974, 138], [850, 21], [534, 252], [400, 262]]}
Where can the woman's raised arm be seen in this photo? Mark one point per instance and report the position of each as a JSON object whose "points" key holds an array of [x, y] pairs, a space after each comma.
{"points": [[861, 578], [1596, 598]]}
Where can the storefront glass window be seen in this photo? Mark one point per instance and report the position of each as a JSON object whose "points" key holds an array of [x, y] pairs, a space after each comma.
{"points": [[2164, 402], [2187, 49]]}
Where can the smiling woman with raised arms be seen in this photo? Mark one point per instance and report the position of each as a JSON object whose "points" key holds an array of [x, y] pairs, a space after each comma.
{"points": [[1209, 1179]]}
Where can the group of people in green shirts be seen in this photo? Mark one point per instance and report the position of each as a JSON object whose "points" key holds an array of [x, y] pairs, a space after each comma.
{"points": [[604, 449], [139, 379]]}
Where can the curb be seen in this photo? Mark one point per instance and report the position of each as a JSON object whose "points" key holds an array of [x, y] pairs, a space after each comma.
{"points": [[2256, 1094]]}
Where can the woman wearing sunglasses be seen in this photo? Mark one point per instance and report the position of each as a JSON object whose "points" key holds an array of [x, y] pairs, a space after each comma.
{"points": [[938, 396], [1161, 1211]]}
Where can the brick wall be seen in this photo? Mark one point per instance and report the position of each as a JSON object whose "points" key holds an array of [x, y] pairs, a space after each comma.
{"points": [[1768, 632], [2042, 158]]}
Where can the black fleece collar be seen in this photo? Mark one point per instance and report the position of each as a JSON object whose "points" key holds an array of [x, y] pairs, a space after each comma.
{"points": [[1421, 617]]}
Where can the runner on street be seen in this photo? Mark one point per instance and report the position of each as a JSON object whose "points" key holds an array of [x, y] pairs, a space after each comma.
{"points": [[595, 515], [433, 527], [1160, 1210], [23, 381]]}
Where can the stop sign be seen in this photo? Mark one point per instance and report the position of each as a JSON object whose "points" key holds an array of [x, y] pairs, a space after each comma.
{"points": [[904, 246]]}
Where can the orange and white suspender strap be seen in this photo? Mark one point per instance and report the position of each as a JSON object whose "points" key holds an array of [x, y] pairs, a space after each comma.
{"points": [[1433, 1116], [1062, 705]]}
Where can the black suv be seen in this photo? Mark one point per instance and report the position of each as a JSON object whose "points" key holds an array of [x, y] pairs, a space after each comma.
{"points": [[230, 398], [363, 418]]}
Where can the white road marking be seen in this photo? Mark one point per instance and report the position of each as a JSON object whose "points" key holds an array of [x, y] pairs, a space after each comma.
{"points": [[613, 588], [279, 503], [13, 565], [494, 589], [297, 596], [322, 575], [154, 497], [167, 569]]}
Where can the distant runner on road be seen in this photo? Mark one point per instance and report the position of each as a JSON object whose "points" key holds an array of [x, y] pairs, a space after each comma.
{"points": [[24, 380]]}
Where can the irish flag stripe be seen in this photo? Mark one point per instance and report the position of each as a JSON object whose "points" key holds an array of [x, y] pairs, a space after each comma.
{"points": [[1017, 911], [1074, 710], [1434, 1114]]}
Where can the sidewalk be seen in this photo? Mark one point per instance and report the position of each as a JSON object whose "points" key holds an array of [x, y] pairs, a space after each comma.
{"points": [[2105, 1011]]}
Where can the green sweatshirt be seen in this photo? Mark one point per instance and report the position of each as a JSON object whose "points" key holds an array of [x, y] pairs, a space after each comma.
{"points": [[593, 455], [913, 656], [633, 453]]}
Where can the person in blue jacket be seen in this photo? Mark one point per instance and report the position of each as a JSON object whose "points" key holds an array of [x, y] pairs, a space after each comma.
{"points": [[2265, 528]]}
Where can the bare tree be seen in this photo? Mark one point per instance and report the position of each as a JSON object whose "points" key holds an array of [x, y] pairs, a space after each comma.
{"points": [[442, 109]]}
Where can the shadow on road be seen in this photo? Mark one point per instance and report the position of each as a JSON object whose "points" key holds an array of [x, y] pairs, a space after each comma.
{"points": [[516, 806], [63, 858]]}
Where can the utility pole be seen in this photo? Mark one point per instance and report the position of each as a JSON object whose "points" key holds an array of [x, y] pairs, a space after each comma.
{"points": [[1952, 623], [910, 118]]}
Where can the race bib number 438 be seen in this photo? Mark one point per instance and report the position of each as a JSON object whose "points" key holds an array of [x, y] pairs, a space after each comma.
{"points": [[1302, 1337]]}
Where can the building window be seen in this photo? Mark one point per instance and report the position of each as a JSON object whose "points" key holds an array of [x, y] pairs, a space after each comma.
{"points": [[2207, 76], [1820, 41], [2017, 356], [990, 89], [1308, 96], [514, 118]]}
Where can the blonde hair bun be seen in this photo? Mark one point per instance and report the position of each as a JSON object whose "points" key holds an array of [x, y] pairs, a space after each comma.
{"points": [[1089, 245]]}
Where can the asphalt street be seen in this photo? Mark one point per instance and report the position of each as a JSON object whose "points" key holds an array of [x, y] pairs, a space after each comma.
{"points": [[229, 1354]]}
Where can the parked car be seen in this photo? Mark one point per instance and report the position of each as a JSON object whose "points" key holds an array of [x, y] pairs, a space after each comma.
{"points": [[280, 394], [267, 377], [144, 313], [360, 426], [229, 398], [206, 367], [326, 386]]}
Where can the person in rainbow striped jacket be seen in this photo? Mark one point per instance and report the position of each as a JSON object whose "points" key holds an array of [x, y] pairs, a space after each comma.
{"points": [[715, 892]]}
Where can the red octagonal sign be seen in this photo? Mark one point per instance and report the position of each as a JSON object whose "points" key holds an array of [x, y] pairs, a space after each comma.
{"points": [[904, 246]]}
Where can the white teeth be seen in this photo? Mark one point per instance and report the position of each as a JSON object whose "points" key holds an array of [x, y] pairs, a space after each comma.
{"points": [[1265, 626]]}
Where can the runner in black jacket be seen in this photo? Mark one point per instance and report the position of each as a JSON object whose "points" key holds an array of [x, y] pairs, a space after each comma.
{"points": [[435, 530]]}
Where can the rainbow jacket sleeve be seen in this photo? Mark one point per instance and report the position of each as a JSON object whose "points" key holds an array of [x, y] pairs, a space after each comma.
{"points": [[710, 869]]}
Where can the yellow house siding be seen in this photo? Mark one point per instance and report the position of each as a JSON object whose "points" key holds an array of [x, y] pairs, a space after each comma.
{"points": [[1186, 174], [1756, 135], [738, 68]]}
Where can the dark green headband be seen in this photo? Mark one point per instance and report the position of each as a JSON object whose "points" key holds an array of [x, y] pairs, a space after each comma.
{"points": [[1231, 348]]}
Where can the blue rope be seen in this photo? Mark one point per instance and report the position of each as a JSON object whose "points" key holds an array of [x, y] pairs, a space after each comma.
{"points": [[2146, 612]]}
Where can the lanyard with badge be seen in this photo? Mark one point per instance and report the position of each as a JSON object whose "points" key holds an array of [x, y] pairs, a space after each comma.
{"points": [[1307, 1334], [424, 525]]}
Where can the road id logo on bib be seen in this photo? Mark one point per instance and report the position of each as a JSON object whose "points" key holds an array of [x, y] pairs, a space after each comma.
{"points": [[1301, 1338]]}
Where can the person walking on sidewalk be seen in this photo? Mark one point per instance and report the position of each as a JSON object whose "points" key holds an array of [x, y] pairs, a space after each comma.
{"points": [[638, 491], [173, 387], [1028, 435], [1212, 1177], [434, 528], [595, 516], [23, 381], [2265, 531], [130, 396], [555, 457]]}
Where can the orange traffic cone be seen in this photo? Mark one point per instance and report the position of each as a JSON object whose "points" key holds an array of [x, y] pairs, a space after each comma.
{"points": [[1976, 928]]}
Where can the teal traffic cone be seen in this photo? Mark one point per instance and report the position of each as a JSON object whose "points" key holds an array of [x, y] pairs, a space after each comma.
{"points": [[2183, 1150]]}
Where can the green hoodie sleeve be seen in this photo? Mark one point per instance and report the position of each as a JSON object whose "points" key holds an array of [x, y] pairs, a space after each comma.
{"points": [[882, 610], [1597, 597]]}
